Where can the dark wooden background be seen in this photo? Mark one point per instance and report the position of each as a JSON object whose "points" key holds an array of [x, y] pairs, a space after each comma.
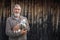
{"points": [[43, 17]]}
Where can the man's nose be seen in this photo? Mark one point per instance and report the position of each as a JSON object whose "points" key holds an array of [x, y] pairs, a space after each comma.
{"points": [[16, 10]]}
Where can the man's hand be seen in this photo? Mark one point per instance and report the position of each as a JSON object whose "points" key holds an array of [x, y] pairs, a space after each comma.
{"points": [[23, 32], [15, 28]]}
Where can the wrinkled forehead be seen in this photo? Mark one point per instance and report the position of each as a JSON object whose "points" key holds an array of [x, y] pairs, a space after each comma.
{"points": [[17, 7]]}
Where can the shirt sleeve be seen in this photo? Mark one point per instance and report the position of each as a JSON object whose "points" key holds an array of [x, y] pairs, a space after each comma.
{"points": [[9, 32], [27, 27]]}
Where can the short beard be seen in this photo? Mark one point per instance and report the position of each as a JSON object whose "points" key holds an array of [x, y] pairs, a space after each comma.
{"points": [[16, 14]]}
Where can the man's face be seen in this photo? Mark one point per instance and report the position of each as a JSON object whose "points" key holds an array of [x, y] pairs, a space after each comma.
{"points": [[17, 10]]}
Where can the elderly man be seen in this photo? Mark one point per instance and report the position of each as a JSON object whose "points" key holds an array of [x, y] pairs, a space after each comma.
{"points": [[17, 26]]}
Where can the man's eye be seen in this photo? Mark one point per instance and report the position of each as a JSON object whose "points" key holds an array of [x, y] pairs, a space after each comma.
{"points": [[17, 9]]}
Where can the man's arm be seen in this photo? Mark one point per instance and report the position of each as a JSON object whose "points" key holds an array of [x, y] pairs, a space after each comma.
{"points": [[27, 27], [9, 32]]}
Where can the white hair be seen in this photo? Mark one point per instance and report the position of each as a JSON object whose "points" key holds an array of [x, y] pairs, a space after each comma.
{"points": [[17, 5]]}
